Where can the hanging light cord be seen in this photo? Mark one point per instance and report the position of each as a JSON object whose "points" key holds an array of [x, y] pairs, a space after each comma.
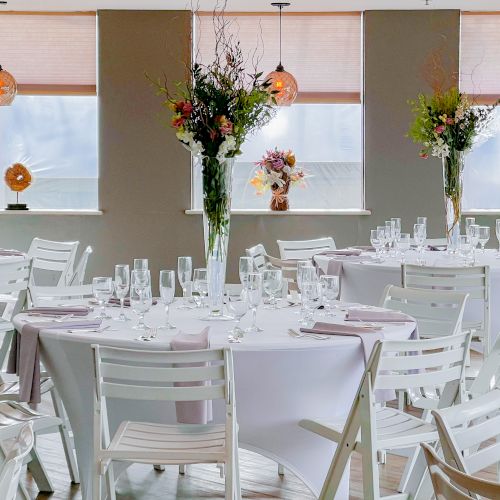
{"points": [[281, 8]]}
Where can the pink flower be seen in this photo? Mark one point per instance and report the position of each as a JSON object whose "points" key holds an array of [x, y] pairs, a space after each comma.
{"points": [[178, 121], [449, 121], [183, 108], [423, 155], [225, 125], [439, 129], [213, 134]]}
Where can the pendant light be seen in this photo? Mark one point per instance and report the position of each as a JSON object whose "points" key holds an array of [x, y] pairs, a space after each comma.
{"points": [[8, 88], [282, 82]]}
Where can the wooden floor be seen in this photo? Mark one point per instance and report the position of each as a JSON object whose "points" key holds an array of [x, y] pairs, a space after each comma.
{"points": [[259, 477]]}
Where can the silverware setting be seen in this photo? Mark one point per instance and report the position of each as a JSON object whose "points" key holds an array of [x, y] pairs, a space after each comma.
{"points": [[91, 330]]}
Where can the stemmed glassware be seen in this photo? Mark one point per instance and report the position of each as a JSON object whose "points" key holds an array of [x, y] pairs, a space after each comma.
{"points": [[122, 286], [254, 297], [167, 294], [376, 243], [469, 221], [382, 236], [141, 264], [102, 288], [237, 307], [466, 249], [273, 281], [497, 228], [140, 283], [184, 275], [484, 236], [474, 238], [419, 236], [390, 235], [404, 244], [245, 267], [311, 293], [423, 221], [329, 291], [200, 285], [397, 233]]}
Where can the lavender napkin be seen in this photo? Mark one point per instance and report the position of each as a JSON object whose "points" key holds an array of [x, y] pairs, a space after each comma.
{"points": [[336, 265], [383, 315], [24, 357], [368, 336], [62, 310], [192, 412], [342, 251], [364, 248], [4, 252], [126, 302]]}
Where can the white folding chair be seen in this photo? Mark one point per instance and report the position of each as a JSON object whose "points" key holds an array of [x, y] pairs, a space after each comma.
{"points": [[470, 433], [79, 274], [370, 428], [12, 414], [259, 256], [53, 261], [488, 376], [17, 450], [46, 295], [451, 484], [475, 281], [304, 249], [157, 376]]}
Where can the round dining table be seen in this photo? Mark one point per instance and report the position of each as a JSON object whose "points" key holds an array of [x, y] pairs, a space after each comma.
{"points": [[364, 279], [280, 379]]}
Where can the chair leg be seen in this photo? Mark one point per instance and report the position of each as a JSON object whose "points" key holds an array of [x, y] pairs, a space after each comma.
{"points": [[229, 482], [67, 440], [281, 470], [159, 468], [39, 473], [96, 483], [110, 482], [182, 469], [237, 483]]}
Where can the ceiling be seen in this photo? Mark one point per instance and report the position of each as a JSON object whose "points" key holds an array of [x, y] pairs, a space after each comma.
{"points": [[249, 5]]}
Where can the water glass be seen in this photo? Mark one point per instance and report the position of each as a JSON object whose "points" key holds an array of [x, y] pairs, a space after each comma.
{"points": [[376, 243], [404, 244], [465, 249], [390, 234], [300, 265], [419, 236], [254, 297], [469, 221], [423, 221], [474, 238], [330, 286], [382, 236], [200, 284], [237, 307], [141, 264], [245, 267], [167, 294], [184, 275], [102, 288], [272, 280], [310, 295], [484, 236], [141, 302], [122, 286]]}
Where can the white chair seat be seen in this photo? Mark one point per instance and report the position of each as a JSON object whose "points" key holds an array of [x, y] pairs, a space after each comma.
{"points": [[5, 326], [10, 390], [13, 413], [395, 429], [173, 444]]}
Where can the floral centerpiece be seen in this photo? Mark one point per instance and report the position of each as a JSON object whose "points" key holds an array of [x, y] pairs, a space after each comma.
{"points": [[214, 110], [278, 171], [447, 124]]}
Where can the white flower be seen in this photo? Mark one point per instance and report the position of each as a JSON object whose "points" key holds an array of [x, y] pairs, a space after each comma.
{"points": [[441, 150], [227, 146], [275, 178], [187, 138], [287, 169]]}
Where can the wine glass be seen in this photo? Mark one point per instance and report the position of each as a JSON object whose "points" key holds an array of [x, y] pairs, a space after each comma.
{"points": [[141, 264], [184, 275], [497, 228], [474, 238], [465, 249], [141, 304], [423, 221], [419, 236], [390, 231], [254, 297], [376, 243], [469, 221], [484, 236], [122, 286], [140, 279], [311, 291], [167, 295], [200, 284], [102, 288], [237, 307], [272, 280], [404, 244], [245, 267], [397, 232], [329, 291], [301, 264], [382, 237]]}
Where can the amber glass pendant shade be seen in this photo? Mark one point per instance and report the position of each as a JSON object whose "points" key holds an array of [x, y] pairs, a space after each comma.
{"points": [[284, 86], [8, 88]]}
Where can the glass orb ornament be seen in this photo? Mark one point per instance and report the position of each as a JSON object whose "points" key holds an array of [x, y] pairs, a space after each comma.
{"points": [[8, 88], [284, 85]]}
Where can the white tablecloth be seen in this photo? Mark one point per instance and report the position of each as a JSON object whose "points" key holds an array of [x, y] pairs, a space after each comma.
{"points": [[365, 281], [279, 381]]}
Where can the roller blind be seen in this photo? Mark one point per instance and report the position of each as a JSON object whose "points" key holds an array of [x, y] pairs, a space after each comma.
{"points": [[480, 55], [50, 53], [322, 51]]}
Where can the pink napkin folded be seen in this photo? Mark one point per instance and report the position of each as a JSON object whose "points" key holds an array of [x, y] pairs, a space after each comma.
{"points": [[62, 310], [383, 315], [336, 266], [4, 252], [24, 357], [342, 251], [368, 336], [364, 248], [192, 412]]}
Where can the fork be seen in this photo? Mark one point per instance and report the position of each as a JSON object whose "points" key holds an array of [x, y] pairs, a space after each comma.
{"points": [[314, 336]]}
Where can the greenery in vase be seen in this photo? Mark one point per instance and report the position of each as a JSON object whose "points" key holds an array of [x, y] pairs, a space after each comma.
{"points": [[447, 124], [213, 113]]}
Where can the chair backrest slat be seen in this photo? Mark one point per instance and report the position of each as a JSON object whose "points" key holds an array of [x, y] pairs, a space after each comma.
{"points": [[162, 393], [259, 256], [14, 278], [417, 361], [304, 249], [44, 295], [79, 274]]}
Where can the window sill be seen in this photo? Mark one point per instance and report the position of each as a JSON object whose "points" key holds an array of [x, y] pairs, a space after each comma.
{"points": [[36, 211], [482, 211], [312, 211]]}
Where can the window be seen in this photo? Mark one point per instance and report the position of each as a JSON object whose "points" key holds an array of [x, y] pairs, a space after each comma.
{"points": [[51, 127], [323, 127], [480, 77]]}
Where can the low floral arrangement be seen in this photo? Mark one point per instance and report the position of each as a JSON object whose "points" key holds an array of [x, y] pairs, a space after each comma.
{"points": [[278, 171]]}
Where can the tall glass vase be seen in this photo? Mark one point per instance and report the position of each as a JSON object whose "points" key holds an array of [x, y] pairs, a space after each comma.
{"points": [[453, 167], [217, 179]]}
